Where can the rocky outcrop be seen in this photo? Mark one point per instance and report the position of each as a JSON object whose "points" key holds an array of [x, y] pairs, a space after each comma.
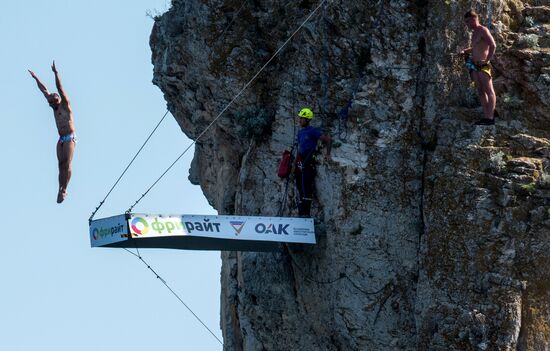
{"points": [[433, 234]]}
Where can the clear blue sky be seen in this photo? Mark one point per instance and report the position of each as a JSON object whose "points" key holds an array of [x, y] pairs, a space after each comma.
{"points": [[57, 293]]}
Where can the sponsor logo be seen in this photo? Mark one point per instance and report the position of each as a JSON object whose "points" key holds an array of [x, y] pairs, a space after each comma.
{"points": [[271, 229], [238, 226], [171, 226], [140, 226], [204, 226], [102, 233]]}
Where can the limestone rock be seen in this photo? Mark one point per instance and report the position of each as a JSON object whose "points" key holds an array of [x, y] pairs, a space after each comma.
{"points": [[433, 234]]}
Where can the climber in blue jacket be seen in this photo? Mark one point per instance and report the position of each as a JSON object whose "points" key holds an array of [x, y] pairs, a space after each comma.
{"points": [[304, 164]]}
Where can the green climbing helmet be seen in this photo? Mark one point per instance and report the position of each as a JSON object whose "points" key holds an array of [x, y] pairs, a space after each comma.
{"points": [[306, 113]]}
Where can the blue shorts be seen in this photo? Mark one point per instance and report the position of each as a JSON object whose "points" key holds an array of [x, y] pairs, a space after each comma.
{"points": [[65, 138]]}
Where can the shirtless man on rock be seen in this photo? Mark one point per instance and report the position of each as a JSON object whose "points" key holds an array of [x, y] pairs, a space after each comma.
{"points": [[478, 58], [65, 126]]}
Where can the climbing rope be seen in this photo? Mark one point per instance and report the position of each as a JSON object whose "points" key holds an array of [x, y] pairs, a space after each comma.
{"points": [[230, 103], [128, 166], [138, 255], [284, 198], [293, 142], [232, 20]]}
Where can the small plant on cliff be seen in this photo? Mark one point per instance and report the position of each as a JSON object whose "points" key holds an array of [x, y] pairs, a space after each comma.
{"points": [[528, 41], [511, 101], [153, 14], [529, 21], [530, 188], [544, 181], [496, 161], [253, 123]]}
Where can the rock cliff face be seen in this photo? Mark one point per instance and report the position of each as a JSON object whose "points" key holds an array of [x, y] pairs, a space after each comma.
{"points": [[433, 234]]}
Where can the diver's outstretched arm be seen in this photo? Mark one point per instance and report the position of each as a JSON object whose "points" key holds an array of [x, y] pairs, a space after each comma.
{"points": [[58, 84], [41, 85]]}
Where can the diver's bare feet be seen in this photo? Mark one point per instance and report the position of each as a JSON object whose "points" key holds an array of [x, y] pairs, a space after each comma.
{"points": [[61, 195]]}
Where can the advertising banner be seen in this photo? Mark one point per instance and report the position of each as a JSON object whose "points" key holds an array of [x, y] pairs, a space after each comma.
{"points": [[277, 229], [108, 230]]}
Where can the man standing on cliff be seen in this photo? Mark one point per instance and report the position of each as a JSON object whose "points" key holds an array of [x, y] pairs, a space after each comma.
{"points": [[478, 58], [304, 165], [65, 126]]}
